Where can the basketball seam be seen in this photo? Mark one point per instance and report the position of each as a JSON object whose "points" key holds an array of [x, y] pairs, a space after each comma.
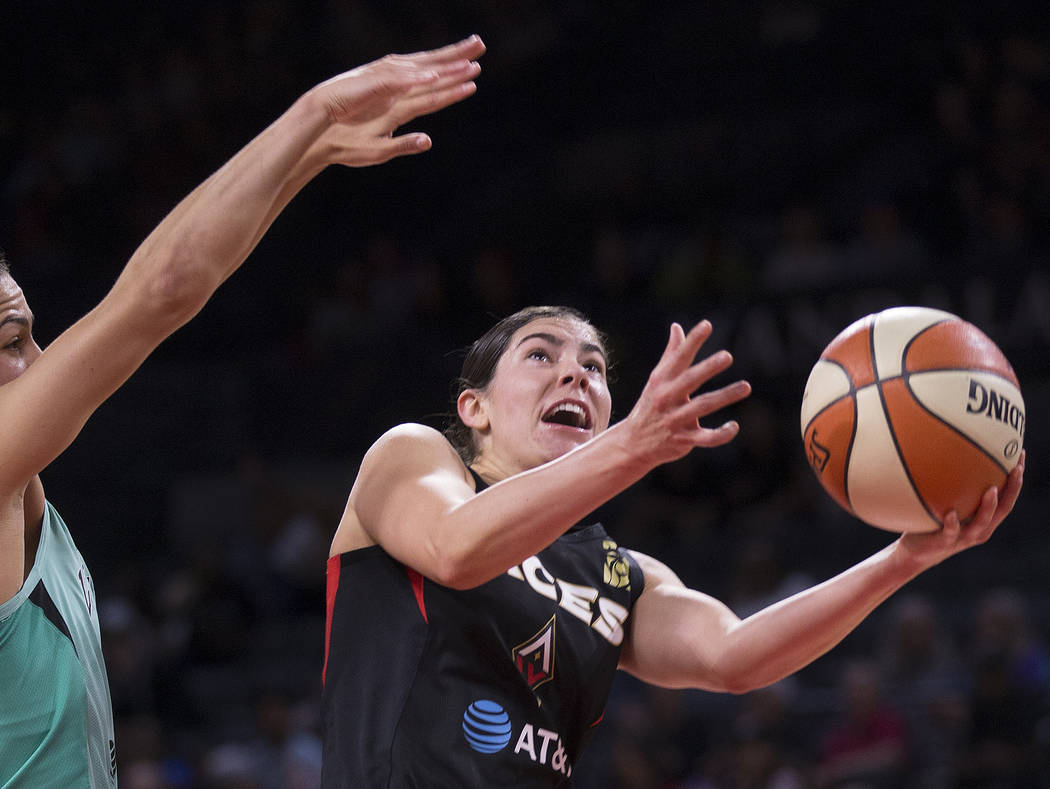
{"points": [[906, 376], [904, 354], [889, 422], [949, 425], [851, 393]]}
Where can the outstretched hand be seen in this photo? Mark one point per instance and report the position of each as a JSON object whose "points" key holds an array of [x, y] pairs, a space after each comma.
{"points": [[666, 419], [366, 105], [929, 548]]}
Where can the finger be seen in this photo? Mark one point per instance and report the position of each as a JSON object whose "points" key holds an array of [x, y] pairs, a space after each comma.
{"points": [[451, 74], [682, 348], [700, 373], [717, 436], [469, 47], [444, 74], [674, 339], [950, 526], [1012, 488], [709, 402], [404, 145], [692, 343], [985, 521], [432, 101]]}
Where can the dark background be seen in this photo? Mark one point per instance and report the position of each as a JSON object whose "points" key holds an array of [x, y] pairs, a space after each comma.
{"points": [[782, 168]]}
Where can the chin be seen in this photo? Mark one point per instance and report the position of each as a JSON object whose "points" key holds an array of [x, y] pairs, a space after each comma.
{"points": [[559, 447]]}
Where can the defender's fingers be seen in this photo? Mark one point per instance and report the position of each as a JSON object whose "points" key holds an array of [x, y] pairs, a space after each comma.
{"points": [[433, 100], [469, 47], [385, 149]]}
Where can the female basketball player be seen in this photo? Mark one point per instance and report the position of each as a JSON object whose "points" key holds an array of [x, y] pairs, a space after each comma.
{"points": [[474, 624], [56, 723]]}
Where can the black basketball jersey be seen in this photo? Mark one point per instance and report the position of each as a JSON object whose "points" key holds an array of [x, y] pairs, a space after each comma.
{"points": [[497, 686]]}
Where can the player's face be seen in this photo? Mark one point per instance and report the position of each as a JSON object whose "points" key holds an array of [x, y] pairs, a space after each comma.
{"points": [[18, 349], [549, 394]]}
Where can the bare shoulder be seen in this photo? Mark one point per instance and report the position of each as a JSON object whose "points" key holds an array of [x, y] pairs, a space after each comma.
{"points": [[409, 472], [409, 447]]}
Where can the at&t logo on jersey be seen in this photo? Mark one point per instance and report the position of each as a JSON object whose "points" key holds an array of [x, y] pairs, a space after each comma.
{"points": [[486, 726], [488, 729]]}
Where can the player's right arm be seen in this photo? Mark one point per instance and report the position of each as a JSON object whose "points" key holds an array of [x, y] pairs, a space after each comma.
{"points": [[348, 120], [415, 498]]}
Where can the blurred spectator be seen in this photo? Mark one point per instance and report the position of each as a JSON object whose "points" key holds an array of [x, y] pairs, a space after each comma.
{"points": [[925, 680], [867, 745], [284, 755], [1008, 698], [804, 259], [885, 252], [659, 737]]}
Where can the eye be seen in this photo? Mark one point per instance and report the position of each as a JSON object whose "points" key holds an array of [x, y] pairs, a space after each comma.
{"points": [[539, 353], [594, 366], [16, 343]]}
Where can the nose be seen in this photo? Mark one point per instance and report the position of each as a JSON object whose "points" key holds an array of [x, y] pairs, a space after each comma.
{"points": [[575, 373]]}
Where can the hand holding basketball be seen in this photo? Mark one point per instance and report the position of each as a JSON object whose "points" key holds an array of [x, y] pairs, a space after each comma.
{"points": [[911, 414], [929, 548]]}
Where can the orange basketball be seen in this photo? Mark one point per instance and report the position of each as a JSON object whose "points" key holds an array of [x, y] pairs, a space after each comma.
{"points": [[910, 413]]}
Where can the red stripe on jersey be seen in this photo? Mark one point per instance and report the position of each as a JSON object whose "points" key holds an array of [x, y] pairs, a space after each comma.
{"points": [[417, 589], [332, 587]]}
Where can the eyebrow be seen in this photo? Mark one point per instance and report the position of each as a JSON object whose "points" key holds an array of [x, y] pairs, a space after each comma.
{"points": [[586, 347], [21, 320]]}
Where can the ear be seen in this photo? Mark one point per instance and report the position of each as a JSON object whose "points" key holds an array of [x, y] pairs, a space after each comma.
{"points": [[471, 409]]}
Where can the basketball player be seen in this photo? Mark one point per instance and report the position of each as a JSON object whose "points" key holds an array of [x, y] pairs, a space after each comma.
{"points": [[56, 726], [474, 624]]}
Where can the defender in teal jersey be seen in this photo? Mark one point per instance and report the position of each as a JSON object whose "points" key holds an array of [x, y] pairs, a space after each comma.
{"points": [[52, 673], [56, 727]]}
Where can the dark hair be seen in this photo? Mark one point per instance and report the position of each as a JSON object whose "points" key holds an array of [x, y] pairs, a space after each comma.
{"points": [[480, 365]]}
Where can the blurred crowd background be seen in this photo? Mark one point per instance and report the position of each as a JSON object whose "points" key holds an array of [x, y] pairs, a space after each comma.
{"points": [[782, 167]]}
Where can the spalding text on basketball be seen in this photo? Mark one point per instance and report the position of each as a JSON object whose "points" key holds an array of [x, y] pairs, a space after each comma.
{"points": [[985, 400]]}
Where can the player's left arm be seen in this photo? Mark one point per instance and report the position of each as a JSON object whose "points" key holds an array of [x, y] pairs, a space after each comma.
{"points": [[678, 637]]}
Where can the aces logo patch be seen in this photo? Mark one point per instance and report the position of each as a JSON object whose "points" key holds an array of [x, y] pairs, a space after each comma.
{"points": [[535, 656]]}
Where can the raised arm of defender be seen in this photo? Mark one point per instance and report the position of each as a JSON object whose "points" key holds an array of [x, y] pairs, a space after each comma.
{"points": [[349, 120]]}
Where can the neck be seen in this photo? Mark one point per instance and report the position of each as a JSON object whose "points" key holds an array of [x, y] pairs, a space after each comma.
{"points": [[492, 471]]}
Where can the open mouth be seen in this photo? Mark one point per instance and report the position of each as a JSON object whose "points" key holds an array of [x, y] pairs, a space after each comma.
{"points": [[568, 414]]}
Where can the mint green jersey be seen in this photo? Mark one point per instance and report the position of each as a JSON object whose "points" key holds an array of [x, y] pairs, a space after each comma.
{"points": [[56, 717]]}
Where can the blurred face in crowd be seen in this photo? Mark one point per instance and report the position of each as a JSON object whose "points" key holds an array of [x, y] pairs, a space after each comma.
{"points": [[548, 395], [18, 349]]}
